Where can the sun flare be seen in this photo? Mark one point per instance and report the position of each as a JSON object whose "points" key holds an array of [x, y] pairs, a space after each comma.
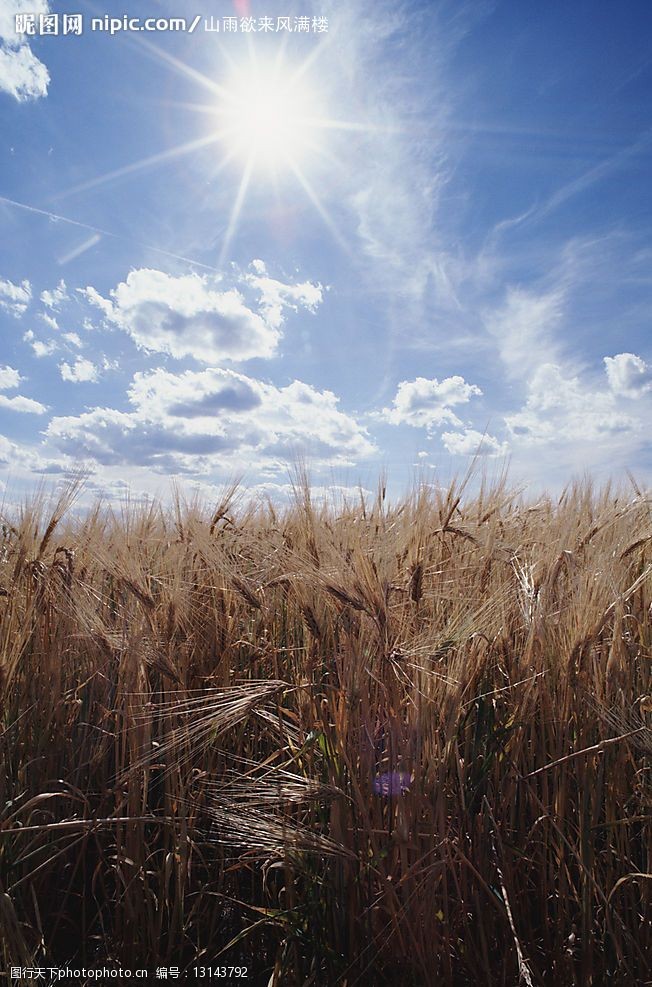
{"points": [[268, 117], [271, 122]]}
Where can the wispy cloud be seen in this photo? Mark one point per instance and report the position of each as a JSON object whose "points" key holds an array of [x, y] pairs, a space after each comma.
{"points": [[582, 183], [524, 327]]}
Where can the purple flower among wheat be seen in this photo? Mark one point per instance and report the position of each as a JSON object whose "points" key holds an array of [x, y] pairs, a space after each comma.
{"points": [[392, 783]]}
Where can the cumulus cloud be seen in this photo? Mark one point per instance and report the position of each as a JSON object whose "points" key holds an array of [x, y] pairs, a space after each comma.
{"points": [[628, 375], [49, 320], [275, 295], [335, 494], [39, 347], [197, 316], [7, 450], [93, 296], [19, 403], [426, 403], [9, 378], [473, 443], [561, 408], [44, 349], [197, 421], [14, 298], [24, 457], [56, 296], [81, 371], [74, 339], [22, 74]]}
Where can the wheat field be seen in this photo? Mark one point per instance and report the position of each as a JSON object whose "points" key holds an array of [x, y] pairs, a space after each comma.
{"points": [[365, 742]]}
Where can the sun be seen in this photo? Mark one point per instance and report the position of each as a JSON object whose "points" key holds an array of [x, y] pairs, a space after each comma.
{"points": [[271, 120], [268, 117]]}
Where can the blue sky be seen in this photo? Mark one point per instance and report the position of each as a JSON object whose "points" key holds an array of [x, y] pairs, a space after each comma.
{"points": [[418, 234]]}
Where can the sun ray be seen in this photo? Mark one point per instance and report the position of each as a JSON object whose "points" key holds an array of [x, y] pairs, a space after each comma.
{"points": [[312, 195], [235, 212], [266, 114], [142, 164], [272, 119], [316, 53], [326, 123], [181, 68]]}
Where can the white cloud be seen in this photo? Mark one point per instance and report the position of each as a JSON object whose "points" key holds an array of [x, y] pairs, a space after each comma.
{"points": [[55, 297], [82, 371], [14, 298], [425, 403], [22, 74], [561, 408], [523, 329], [9, 378], [20, 403], [391, 187], [572, 420], [93, 296], [276, 295], [7, 452], [39, 347], [628, 375], [44, 349], [49, 320], [335, 494], [193, 395], [74, 339], [396, 170], [24, 457], [200, 421], [473, 443], [196, 316]]}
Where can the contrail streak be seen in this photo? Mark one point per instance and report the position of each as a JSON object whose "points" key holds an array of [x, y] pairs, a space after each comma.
{"points": [[96, 229], [91, 241]]}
